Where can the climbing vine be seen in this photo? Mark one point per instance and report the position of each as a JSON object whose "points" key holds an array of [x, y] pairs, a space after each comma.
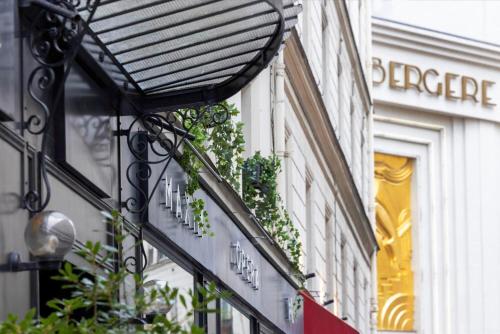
{"points": [[260, 194], [259, 187], [226, 142]]}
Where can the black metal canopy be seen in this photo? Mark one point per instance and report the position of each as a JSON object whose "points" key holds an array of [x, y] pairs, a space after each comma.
{"points": [[167, 53]]}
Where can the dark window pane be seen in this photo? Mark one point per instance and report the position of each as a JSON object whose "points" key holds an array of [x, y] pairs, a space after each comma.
{"points": [[162, 270], [89, 144], [9, 65]]}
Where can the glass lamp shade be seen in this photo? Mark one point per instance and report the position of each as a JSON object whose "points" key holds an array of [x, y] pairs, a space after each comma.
{"points": [[50, 235]]}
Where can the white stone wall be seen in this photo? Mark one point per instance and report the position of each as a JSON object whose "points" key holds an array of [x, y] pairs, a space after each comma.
{"points": [[318, 212], [455, 146], [331, 65]]}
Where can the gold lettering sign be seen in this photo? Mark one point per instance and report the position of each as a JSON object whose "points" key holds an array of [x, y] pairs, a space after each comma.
{"points": [[465, 93], [408, 82], [453, 86], [484, 93], [448, 77], [393, 82], [439, 88]]}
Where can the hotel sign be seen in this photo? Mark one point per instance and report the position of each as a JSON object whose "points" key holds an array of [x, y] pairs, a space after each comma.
{"points": [[243, 265], [180, 206], [452, 86]]}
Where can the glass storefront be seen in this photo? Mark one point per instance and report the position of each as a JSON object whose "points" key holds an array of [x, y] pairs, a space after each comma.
{"points": [[161, 271], [232, 320]]}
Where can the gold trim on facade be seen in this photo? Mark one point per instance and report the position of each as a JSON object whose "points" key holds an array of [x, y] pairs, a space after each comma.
{"points": [[394, 236]]}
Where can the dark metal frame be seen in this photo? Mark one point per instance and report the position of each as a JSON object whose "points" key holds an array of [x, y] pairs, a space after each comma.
{"points": [[14, 264], [156, 142], [56, 32], [204, 93]]}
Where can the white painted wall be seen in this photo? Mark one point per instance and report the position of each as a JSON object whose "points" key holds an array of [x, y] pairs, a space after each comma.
{"points": [[456, 146], [320, 33], [477, 19]]}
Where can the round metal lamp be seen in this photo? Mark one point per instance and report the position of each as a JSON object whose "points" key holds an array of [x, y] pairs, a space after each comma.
{"points": [[49, 236]]}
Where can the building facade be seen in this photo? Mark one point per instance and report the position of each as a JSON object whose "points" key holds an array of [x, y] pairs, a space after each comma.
{"points": [[316, 96], [80, 130], [436, 164]]}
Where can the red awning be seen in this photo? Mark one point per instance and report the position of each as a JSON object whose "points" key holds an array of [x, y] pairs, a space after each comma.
{"points": [[318, 320]]}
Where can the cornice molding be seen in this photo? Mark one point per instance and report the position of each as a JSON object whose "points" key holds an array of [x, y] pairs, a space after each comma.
{"points": [[421, 40], [312, 112]]}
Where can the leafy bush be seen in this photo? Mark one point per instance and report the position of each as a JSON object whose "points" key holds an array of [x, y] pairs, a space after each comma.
{"points": [[260, 194]]}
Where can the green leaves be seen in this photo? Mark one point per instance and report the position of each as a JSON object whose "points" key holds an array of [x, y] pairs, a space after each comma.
{"points": [[261, 195], [226, 142], [96, 292]]}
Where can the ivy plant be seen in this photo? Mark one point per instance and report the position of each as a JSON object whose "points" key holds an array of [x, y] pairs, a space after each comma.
{"points": [[226, 142], [99, 299], [259, 186], [261, 195]]}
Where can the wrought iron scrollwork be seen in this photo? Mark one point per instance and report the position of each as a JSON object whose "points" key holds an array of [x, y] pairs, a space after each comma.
{"points": [[150, 145], [154, 140], [55, 34], [131, 261]]}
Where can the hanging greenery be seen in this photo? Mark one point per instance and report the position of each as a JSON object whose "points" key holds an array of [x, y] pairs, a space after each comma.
{"points": [[261, 195], [226, 142], [192, 166]]}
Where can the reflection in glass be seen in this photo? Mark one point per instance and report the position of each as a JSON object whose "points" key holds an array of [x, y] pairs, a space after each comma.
{"points": [[9, 64], [162, 270], [89, 145], [232, 320]]}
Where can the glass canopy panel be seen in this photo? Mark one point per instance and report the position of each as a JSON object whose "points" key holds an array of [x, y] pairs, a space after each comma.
{"points": [[205, 47], [201, 60], [152, 11], [196, 39], [157, 32], [202, 78], [183, 13], [192, 85], [200, 70], [172, 54]]}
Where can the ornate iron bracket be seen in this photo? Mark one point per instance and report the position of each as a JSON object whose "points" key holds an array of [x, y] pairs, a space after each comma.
{"points": [[154, 140], [55, 34]]}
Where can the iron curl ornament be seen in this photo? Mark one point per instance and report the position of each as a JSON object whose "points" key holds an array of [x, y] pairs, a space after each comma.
{"points": [[155, 139], [55, 35]]}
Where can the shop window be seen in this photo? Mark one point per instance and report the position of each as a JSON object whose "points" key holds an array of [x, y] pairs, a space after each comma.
{"points": [[9, 66], [309, 228], [50, 289], [162, 270], [329, 255], [85, 144], [232, 321]]}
